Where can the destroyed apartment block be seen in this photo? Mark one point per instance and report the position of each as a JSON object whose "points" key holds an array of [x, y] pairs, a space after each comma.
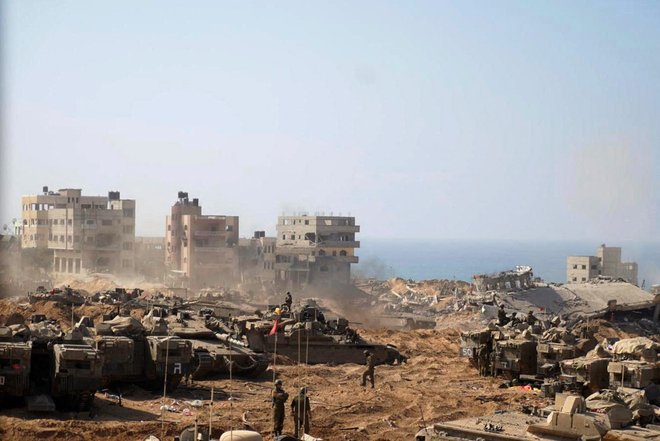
{"points": [[517, 279]]}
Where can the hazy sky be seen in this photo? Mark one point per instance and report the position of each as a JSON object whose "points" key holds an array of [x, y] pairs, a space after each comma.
{"points": [[493, 119]]}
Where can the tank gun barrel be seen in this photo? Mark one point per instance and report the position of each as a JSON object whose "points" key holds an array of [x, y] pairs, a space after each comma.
{"points": [[229, 339]]}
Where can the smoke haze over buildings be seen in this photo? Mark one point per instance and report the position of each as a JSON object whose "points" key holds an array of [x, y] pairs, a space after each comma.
{"points": [[403, 116]]}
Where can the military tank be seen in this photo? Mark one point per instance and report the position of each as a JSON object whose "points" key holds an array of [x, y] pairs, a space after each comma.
{"points": [[66, 295], [304, 333], [214, 351], [132, 356]]}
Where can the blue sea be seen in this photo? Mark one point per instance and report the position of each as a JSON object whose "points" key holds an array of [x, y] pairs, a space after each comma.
{"points": [[454, 259]]}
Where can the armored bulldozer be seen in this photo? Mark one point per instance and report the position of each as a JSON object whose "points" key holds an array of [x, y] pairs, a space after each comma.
{"points": [[215, 353], [131, 356], [515, 357], [308, 335]]}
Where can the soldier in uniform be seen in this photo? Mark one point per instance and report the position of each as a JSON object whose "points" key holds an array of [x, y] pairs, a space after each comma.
{"points": [[288, 300], [501, 316], [279, 397], [483, 361], [301, 411], [531, 320], [369, 370]]}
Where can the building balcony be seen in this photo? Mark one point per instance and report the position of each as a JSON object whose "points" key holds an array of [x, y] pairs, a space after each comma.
{"points": [[202, 233], [327, 229], [339, 244], [326, 258]]}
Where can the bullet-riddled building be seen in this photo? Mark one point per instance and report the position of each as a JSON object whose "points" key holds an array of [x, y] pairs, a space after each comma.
{"points": [[315, 249], [83, 233], [201, 249], [607, 262]]}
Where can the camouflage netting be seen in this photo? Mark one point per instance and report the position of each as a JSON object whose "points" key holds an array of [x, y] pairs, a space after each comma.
{"points": [[125, 326], [635, 346]]}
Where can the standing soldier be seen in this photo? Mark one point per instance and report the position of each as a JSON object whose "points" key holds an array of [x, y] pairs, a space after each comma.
{"points": [[531, 319], [301, 412], [483, 360], [369, 370], [279, 397], [501, 316], [288, 300]]}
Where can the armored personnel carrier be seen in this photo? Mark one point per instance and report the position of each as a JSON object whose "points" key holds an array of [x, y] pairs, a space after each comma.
{"points": [[63, 366], [131, 356], [515, 357], [472, 342], [307, 331], [14, 367], [585, 374], [550, 354], [214, 353]]}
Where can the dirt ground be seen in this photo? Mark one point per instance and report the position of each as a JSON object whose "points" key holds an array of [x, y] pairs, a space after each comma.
{"points": [[434, 385]]}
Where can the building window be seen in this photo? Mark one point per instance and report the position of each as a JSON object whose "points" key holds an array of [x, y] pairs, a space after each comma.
{"points": [[321, 252], [342, 253], [334, 252], [129, 212], [128, 229], [293, 237], [62, 238], [574, 266], [107, 222], [89, 221], [283, 237], [584, 266], [584, 279], [306, 221], [574, 279], [593, 267], [69, 239], [69, 221]]}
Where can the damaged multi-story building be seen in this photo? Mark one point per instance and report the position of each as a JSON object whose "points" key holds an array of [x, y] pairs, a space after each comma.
{"points": [[201, 250], [150, 257], [257, 258], [84, 234], [607, 263], [315, 250], [521, 277]]}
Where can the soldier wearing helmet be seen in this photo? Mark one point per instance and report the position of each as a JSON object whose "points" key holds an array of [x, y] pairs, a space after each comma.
{"points": [[301, 412], [279, 397], [369, 370]]}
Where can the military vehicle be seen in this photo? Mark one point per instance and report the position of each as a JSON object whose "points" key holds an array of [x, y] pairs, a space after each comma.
{"points": [[14, 367], [116, 296], [515, 357], [306, 331], [131, 356], [66, 295], [550, 354], [215, 352], [633, 373], [568, 419], [474, 341], [63, 371], [585, 374]]}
